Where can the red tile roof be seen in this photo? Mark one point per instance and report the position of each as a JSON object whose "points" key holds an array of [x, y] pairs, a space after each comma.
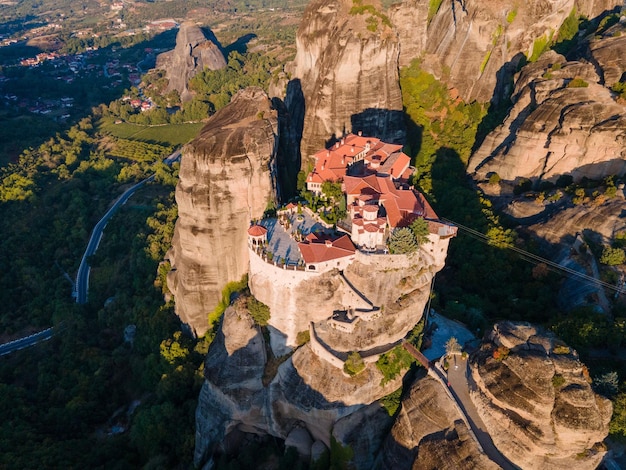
{"points": [[320, 249], [257, 231]]}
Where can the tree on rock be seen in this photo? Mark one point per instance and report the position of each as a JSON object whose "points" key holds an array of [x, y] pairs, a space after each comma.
{"points": [[420, 230], [402, 241]]}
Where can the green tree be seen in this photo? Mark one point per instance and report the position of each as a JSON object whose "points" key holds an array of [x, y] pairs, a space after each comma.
{"points": [[354, 364], [612, 256], [402, 241], [452, 346], [420, 230]]}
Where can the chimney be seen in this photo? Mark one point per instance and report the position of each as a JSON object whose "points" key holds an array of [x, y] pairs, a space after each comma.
{"points": [[337, 145], [323, 164], [328, 153], [329, 243], [360, 133], [343, 141], [343, 160], [352, 148]]}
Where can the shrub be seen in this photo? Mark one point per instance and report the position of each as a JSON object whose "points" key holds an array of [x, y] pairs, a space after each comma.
{"points": [[392, 363], [522, 186], [354, 364], [564, 181], [561, 349], [577, 83], [501, 353], [391, 402], [510, 17], [303, 337], [433, 8], [259, 312], [494, 178], [607, 384], [612, 256], [558, 381]]}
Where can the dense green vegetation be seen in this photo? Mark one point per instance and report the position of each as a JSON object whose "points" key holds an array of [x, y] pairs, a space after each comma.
{"points": [[435, 120], [68, 401], [170, 134]]}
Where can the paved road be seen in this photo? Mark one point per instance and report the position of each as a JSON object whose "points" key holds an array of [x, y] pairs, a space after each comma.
{"points": [[22, 343], [82, 277], [459, 386]]}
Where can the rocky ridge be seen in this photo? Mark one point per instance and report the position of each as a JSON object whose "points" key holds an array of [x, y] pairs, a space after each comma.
{"points": [[535, 399], [348, 75], [428, 432], [474, 46], [226, 179], [306, 395], [193, 52], [563, 122]]}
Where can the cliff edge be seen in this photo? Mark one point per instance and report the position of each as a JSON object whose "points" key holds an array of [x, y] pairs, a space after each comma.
{"points": [[226, 179]]}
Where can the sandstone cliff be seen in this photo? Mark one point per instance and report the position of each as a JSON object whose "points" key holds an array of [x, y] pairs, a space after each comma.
{"points": [[474, 45], [563, 122], [397, 285], [536, 401], [428, 433], [226, 179], [307, 396], [193, 52], [348, 74]]}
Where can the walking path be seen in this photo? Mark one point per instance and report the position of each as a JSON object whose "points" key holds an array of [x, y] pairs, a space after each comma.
{"points": [[459, 385]]}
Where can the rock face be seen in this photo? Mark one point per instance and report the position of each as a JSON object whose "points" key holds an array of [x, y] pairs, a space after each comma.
{"points": [[428, 432], [226, 179], [555, 128], [193, 52], [473, 45], [348, 74], [398, 285], [536, 401], [306, 396]]}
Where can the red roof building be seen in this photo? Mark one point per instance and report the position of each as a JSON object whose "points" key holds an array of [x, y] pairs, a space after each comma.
{"points": [[377, 157], [320, 252]]}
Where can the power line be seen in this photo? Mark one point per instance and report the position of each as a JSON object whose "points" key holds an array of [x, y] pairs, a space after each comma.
{"points": [[536, 259]]}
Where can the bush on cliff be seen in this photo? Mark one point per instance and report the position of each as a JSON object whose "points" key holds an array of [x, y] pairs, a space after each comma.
{"points": [[354, 364], [259, 311]]}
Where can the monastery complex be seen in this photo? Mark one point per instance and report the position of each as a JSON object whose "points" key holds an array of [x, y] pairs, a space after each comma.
{"points": [[374, 178]]}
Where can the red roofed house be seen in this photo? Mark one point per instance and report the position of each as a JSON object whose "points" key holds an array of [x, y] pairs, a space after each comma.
{"points": [[378, 157], [321, 253]]}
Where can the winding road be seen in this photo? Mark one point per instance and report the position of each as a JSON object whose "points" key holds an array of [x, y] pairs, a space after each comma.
{"points": [[16, 345], [81, 288]]}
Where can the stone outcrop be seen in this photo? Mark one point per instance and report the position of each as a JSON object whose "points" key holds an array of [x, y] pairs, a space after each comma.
{"points": [[397, 285], [307, 396], [555, 128], [193, 52], [475, 45], [429, 432], [534, 397], [348, 74], [226, 179]]}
